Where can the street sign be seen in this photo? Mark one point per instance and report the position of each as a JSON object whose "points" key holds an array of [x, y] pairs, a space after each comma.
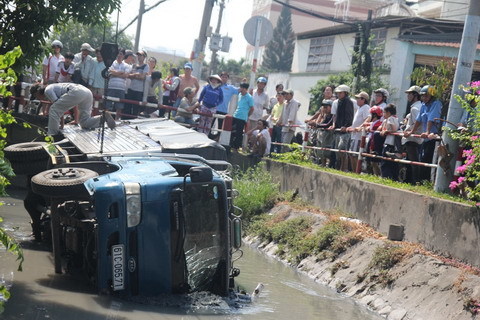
{"points": [[260, 25]]}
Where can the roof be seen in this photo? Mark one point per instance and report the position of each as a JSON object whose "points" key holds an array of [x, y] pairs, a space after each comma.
{"points": [[441, 44], [411, 25]]}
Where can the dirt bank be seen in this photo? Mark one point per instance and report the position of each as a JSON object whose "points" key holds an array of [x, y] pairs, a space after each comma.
{"points": [[420, 285]]}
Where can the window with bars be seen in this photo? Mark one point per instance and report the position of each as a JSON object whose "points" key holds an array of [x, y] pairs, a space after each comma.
{"points": [[320, 54], [377, 43]]}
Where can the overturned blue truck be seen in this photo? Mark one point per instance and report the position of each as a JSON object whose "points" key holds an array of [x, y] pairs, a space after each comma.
{"points": [[146, 210]]}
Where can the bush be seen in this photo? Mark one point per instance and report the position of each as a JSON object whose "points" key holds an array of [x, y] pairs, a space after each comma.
{"points": [[257, 192], [387, 256]]}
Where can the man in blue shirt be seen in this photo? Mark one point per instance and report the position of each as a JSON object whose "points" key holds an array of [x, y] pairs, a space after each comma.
{"points": [[429, 111], [240, 116]]}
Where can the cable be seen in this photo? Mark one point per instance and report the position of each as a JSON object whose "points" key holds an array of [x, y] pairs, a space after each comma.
{"points": [[317, 15]]}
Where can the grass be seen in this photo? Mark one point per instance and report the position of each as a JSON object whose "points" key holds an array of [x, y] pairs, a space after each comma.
{"points": [[387, 256], [257, 192], [296, 241], [296, 157]]}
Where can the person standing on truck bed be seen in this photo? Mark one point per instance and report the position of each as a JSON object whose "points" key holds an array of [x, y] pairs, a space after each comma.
{"points": [[64, 96]]}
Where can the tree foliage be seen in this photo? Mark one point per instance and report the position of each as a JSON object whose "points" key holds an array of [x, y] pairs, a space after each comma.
{"points": [[368, 85], [7, 77], [72, 34], [235, 68], [467, 184], [27, 23], [278, 54], [441, 77]]}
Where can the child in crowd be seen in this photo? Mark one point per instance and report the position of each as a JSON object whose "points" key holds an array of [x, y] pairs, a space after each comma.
{"points": [[375, 142], [65, 69], [390, 124], [324, 137]]}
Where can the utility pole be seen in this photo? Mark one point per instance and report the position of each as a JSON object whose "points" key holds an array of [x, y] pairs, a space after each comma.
{"points": [[198, 53], [463, 74], [213, 62], [139, 25]]}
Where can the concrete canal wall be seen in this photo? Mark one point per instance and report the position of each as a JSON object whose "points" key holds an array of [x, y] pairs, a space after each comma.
{"points": [[449, 228]]}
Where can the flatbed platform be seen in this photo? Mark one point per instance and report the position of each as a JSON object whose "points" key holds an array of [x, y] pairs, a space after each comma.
{"points": [[159, 135]]}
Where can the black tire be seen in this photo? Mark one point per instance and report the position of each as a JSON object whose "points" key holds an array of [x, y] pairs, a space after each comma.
{"points": [[62, 183], [27, 151], [402, 174], [29, 168]]}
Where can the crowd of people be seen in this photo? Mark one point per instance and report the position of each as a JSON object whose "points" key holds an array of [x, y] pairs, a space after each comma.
{"points": [[341, 120], [261, 124]]}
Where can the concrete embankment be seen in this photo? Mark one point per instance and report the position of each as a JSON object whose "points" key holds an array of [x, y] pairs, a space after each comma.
{"points": [[449, 228], [420, 286]]}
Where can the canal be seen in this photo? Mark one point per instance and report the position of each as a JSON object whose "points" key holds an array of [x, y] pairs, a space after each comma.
{"points": [[39, 293]]}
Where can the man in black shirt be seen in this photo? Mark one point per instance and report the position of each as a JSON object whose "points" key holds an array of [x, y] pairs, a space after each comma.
{"points": [[343, 111]]}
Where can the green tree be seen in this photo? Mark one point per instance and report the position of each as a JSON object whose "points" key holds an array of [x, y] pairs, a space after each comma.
{"points": [[441, 77], [278, 54], [347, 77], [72, 34], [237, 69], [7, 78], [28, 23]]}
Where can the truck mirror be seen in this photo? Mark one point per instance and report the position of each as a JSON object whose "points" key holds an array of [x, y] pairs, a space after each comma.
{"points": [[201, 174], [237, 233]]}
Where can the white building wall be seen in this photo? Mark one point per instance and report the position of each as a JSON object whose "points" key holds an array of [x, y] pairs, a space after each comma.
{"points": [[300, 55], [342, 52]]}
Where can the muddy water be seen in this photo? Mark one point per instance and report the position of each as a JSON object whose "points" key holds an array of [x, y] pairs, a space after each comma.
{"points": [[38, 293]]}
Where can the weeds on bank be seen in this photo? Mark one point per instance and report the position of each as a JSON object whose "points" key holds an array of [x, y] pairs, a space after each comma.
{"points": [[384, 258], [257, 192], [296, 240]]}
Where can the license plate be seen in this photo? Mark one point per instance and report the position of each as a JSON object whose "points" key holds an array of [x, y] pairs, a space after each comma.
{"points": [[118, 267]]}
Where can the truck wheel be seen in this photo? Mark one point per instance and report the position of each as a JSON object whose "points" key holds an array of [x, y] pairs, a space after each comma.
{"points": [[29, 168], [62, 182], [26, 151]]}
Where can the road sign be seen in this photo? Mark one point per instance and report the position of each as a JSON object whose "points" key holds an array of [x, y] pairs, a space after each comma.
{"points": [[260, 25]]}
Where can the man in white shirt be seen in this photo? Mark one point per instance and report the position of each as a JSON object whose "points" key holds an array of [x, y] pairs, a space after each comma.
{"points": [[65, 96], [362, 113], [83, 63], [50, 63], [289, 117], [259, 138], [260, 101]]}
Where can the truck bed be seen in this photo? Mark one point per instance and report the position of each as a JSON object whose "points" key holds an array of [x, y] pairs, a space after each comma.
{"points": [[145, 135]]}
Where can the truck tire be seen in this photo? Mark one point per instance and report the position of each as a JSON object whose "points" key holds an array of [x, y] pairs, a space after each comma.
{"points": [[27, 151], [63, 183], [29, 168]]}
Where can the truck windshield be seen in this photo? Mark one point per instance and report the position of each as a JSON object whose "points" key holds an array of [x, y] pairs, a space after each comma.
{"points": [[203, 245]]}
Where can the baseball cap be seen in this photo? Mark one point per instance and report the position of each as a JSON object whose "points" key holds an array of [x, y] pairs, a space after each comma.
{"points": [[342, 88], [363, 95], [86, 46], [413, 89], [188, 65]]}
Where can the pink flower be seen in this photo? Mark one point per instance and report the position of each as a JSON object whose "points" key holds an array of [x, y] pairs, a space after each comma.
{"points": [[462, 169], [470, 159], [453, 185], [473, 138], [477, 204], [468, 152], [460, 179]]}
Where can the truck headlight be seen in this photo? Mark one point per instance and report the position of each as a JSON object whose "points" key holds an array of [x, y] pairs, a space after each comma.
{"points": [[134, 203]]}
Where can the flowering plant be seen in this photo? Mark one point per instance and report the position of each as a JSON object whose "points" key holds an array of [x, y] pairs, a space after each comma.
{"points": [[469, 136]]}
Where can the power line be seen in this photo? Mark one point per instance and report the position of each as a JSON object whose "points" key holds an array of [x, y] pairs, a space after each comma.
{"points": [[314, 14]]}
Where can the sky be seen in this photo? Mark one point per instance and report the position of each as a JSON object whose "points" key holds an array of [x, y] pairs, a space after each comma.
{"points": [[174, 24]]}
